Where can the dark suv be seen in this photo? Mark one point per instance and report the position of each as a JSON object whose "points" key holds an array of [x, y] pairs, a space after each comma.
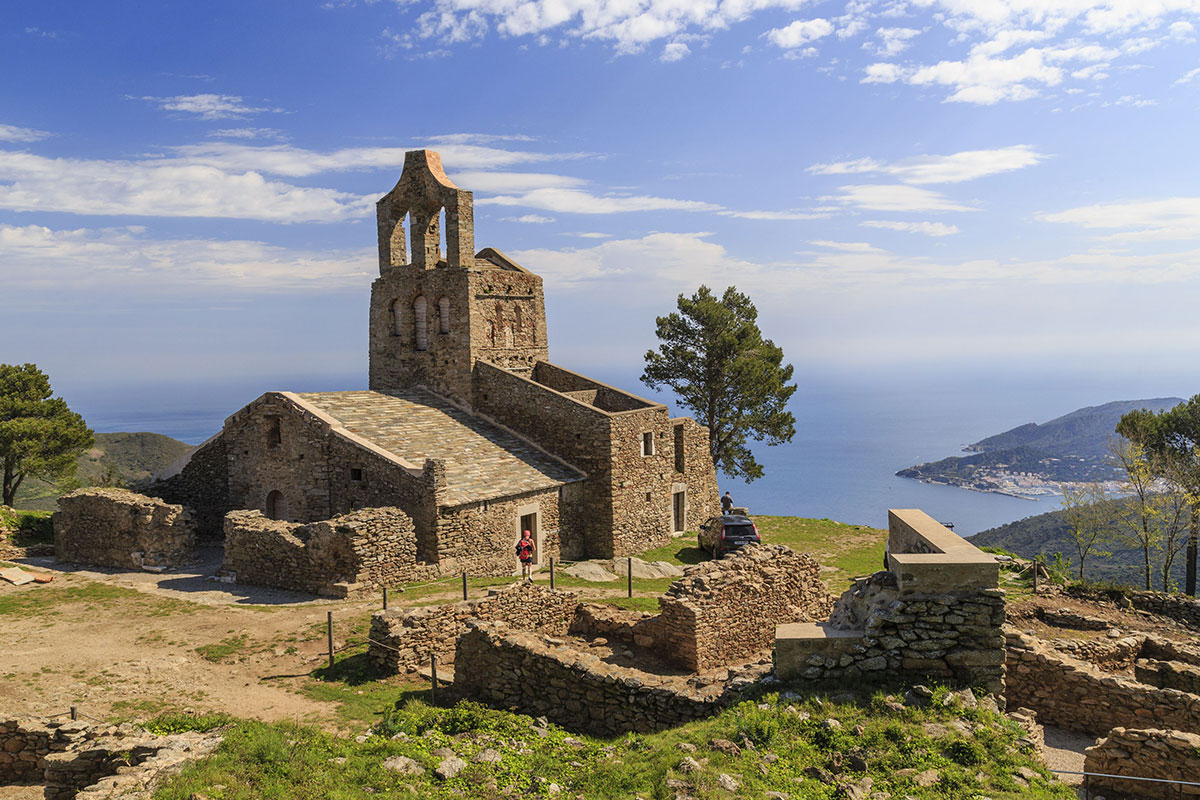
{"points": [[727, 532]]}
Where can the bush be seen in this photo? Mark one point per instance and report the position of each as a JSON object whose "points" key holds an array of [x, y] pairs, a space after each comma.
{"points": [[180, 722]]}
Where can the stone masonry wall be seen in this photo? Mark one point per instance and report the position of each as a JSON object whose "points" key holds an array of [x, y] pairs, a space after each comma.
{"points": [[364, 549], [1145, 753], [1075, 695], [118, 528], [24, 745], [726, 610], [481, 537], [1168, 675], [402, 640], [508, 669], [201, 486]]}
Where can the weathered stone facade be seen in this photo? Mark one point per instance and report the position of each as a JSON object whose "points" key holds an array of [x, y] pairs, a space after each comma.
{"points": [[77, 761], [403, 640], [467, 427], [358, 551], [578, 690], [118, 528], [1145, 753], [199, 482], [936, 612]]}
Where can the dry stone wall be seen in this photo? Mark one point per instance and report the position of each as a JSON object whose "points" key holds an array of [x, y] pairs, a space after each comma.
{"points": [[1168, 675], [354, 552], [516, 669], [402, 640], [1145, 753], [25, 744], [1076, 695], [480, 537], [118, 528], [201, 486]]}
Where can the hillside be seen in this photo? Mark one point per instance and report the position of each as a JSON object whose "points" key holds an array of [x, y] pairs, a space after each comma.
{"points": [[1046, 534], [117, 459], [1028, 459]]}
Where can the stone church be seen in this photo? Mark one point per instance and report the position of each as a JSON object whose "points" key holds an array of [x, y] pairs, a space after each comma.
{"points": [[467, 426]]}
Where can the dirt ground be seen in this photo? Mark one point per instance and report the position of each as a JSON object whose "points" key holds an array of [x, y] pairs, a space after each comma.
{"points": [[125, 644], [1023, 614]]}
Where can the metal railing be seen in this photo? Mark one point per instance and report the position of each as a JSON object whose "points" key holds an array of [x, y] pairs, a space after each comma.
{"points": [[1087, 790]]}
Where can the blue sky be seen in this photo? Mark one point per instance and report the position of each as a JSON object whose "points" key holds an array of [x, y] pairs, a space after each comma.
{"points": [[187, 191]]}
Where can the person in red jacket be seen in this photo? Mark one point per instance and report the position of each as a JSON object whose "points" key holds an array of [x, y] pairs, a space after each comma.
{"points": [[525, 550]]}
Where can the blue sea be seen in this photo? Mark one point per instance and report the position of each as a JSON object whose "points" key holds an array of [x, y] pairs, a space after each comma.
{"points": [[853, 431]]}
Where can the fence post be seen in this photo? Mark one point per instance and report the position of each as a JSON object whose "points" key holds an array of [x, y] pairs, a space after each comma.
{"points": [[433, 679], [74, 713], [385, 598], [329, 630], [464, 584], [629, 574], [1035, 574], [551, 573]]}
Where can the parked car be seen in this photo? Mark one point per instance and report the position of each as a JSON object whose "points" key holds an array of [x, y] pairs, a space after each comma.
{"points": [[725, 533]]}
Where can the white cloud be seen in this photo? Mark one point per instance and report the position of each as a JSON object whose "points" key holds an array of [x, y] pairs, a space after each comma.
{"points": [[164, 188], [1163, 219], [14, 133], [894, 41], [477, 180], [248, 133], [887, 197], [124, 260], [208, 106], [674, 51], [954, 168], [882, 73], [799, 33], [927, 228], [1187, 77], [847, 247], [578, 201], [536, 219], [775, 215]]}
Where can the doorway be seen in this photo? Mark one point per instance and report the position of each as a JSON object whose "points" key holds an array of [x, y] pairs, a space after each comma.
{"points": [[529, 522], [679, 507]]}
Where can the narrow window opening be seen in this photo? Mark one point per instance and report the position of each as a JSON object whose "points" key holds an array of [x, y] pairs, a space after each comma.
{"points": [[679, 448], [356, 475], [397, 245], [648, 497], [648, 443], [444, 315], [274, 433], [420, 318], [443, 246], [397, 318]]}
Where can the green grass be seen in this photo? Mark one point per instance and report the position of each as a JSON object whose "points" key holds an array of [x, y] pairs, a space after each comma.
{"points": [[48, 600], [226, 648], [286, 761], [24, 528]]}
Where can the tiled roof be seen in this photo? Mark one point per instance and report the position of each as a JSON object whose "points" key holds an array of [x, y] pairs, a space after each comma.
{"points": [[483, 461]]}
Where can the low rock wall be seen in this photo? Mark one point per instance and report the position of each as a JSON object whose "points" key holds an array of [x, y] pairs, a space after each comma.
{"points": [[25, 744], [118, 528], [1168, 650], [355, 552], [1168, 675], [1108, 654], [1076, 695], [402, 640], [516, 669], [1145, 753]]}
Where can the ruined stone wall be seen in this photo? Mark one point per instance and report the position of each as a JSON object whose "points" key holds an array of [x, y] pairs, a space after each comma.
{"points": [[354, 552], [1075, 695], [515, 669], [1145, 753], [24, 745], [201, 486], [724, 611], [1168, 675], [1178, 607], [481, 537], [403, 639], [118, 528]]}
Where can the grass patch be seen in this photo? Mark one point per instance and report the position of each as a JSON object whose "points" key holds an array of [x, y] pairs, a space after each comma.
{"points": [[351, 684], [25, 528], [285, 760], [46, 600], [219, 651]]}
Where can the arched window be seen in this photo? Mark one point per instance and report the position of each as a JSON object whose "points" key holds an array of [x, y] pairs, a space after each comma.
{"points": [[276, 505], [518, 323], [420, 316], [398, 318], [444, 314], [492, 332], [508, 336]]}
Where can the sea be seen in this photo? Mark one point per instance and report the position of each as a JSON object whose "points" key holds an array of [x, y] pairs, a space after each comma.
{"points": [[854, 430]]}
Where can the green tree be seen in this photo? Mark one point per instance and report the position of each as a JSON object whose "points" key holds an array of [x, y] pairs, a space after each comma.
{"points": [[39, 435], [1137, 525], [1089, 519], [714, 358]]}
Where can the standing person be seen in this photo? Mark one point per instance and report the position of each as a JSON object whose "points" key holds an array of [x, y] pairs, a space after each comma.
{"points": [[726, 503], [525, 550]]}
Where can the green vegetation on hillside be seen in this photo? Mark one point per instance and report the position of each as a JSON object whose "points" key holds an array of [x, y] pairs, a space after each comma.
{"points": [[1073, 447], [784, 743], [116, 459]]}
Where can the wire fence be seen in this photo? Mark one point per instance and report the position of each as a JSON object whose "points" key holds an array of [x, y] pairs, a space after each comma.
{"points": [[1087, 776]]}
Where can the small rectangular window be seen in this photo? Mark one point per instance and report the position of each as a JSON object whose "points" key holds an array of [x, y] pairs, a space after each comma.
{"points": [[647, 443], [679, 448], [356, 475]]}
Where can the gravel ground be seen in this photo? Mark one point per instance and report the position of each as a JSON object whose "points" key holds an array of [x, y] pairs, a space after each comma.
{"points": [[1064, 750]]}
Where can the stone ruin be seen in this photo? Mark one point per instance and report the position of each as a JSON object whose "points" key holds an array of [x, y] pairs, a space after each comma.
{"points": [[936, 611], [712, 635], [73, 759], [121, 529]]}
